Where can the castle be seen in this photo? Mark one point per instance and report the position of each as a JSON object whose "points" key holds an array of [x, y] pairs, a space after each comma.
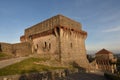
{"points": [[59, 37]]}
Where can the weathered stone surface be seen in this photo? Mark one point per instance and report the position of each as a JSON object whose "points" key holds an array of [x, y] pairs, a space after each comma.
{"points": [[48, 75], [17, 49], [6, 48], [21, 49], [46, 45], [72, 46]]}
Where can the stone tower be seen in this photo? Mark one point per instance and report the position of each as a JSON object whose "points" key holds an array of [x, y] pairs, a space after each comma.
{"points": [[59, 37]]}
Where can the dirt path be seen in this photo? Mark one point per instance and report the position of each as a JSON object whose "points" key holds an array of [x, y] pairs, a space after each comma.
{"points": [[5, 63]]}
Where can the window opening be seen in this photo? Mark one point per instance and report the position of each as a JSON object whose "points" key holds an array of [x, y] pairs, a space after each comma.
{"points": [[71, 45], [49, 46], [45, 45]]}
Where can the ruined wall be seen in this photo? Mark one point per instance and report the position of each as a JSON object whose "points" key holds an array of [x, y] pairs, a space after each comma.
{"points": [[6, 48], [22, 49], [46, 45], [73, 47], [18, 49], [50, 24]]}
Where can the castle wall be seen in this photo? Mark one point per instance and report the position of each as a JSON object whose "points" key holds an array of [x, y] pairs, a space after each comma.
{"points": [[46, 45], [73, 47], [18, 49], [6, 48], [21, 49]]}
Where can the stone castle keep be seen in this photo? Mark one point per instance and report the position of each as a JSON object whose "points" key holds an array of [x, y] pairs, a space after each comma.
{"points": [[59, 37]]}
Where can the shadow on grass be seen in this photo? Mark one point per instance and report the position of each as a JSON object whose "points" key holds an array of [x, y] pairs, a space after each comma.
{"points": [[86, 76], [80, 69]]}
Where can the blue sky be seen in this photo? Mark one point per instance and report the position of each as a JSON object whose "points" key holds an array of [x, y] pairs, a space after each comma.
{"points": [[100, 18]]}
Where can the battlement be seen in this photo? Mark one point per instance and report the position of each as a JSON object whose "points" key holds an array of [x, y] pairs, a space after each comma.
{"points": [[50, 23]]}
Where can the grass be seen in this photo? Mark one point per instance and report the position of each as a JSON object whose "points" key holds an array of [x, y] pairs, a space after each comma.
{"points": [[4, 56], [27, 66]]}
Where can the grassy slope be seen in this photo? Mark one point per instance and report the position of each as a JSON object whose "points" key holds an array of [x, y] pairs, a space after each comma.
{"points": [[4, 56], [26, 66]]}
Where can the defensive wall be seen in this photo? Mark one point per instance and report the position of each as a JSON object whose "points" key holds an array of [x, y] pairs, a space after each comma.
{"points": [[17, 49]]}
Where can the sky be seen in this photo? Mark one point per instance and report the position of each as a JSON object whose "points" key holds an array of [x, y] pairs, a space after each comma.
{"points": [[99, 18]]}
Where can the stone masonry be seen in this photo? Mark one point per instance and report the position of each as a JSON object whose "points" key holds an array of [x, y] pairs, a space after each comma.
{"points": [[60, 37], [17, 49]]}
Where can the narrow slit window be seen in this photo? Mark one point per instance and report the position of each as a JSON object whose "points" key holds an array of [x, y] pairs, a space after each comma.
{"points": [[37, 45], [49, 46], [45, 45], [30, 37], [71, 45]]}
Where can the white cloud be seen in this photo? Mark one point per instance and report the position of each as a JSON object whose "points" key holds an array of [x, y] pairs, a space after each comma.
{"points": [[114, 29]]}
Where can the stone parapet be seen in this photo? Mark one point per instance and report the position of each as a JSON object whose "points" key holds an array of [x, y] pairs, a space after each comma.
{"points": [[48, 24]]}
